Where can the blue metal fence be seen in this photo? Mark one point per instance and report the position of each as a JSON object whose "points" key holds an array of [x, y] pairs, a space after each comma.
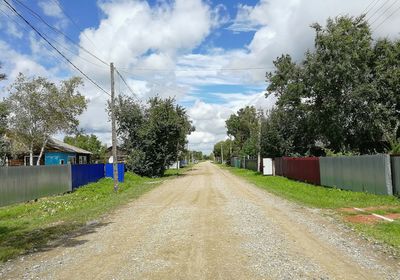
{"points": [[83, 174], [121, 171]]}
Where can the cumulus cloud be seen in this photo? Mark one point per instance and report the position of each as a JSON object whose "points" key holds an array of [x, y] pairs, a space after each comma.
{"points": [[155, 47]]}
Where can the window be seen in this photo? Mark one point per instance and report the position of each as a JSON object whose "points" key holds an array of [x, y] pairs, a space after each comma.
{"points": [[82, 160], [61, 161], [71, 160]]}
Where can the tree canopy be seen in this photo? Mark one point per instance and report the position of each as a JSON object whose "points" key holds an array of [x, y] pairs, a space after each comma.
{"points": [[343, 96], [39, 108], [154, 133]]}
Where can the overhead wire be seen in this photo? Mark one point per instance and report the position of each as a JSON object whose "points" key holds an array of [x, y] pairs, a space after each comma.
{"points": [[11, 7], [195, 70], [39, 17], [73, 21], [377, 10], [384, 12], [367, 10], [389, 16], [124, 81]]}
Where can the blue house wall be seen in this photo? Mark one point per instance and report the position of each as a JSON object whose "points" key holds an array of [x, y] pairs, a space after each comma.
{"points": [[54, 158]]}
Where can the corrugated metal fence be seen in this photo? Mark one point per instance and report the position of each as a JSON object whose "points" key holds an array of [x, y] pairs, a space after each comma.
{"points": [[109, 171], [251, 164], [370, 173], [85, 174], [395, 161], [302, 169], [23, 183]]}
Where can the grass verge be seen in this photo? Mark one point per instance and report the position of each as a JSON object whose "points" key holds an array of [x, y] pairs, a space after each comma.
{"points": [[322, 197], [31, 226]]}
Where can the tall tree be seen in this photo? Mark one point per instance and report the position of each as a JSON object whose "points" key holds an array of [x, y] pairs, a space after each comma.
{"points": [[88, 142], [343, 96], [154, 134], [243, 126], [40, 109]]}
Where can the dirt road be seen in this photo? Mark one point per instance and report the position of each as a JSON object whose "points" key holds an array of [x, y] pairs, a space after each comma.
{"points": [[209, 225]]}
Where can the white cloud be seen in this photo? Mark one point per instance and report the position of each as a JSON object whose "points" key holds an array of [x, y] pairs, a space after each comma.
{"points": [[50, 8]]}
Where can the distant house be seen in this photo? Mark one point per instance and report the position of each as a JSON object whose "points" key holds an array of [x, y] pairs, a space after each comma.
{"points": [[56, 152], [122, 154]]}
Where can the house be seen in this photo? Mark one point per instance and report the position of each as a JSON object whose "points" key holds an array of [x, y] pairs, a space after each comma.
{"points": [[55, 152], [122, 154], [58, 152]]}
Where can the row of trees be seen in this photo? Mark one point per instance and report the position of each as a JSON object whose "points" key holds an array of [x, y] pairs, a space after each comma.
{"points": [[342, 97], [154, 133]]}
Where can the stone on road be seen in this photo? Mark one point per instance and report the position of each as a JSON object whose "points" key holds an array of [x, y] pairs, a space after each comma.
{"points": [[209, 224]]}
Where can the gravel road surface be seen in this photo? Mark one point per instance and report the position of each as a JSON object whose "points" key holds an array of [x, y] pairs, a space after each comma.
{"points": [[209, 224]]}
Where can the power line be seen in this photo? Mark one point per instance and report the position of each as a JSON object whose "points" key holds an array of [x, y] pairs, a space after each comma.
{"points": [[71, 20], [384, 12], [57, 50], [366, 10], [382, 22], [196, 70], [123, 80], [377, 10], [59, 31]]}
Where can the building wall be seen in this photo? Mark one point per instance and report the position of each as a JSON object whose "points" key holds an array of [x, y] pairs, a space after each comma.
{"points": [[54, 158]]}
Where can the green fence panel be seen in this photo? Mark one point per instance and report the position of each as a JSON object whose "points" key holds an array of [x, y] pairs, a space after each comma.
{"points": [[370, 173], [23, 183], [395, 160], [251, 164]]}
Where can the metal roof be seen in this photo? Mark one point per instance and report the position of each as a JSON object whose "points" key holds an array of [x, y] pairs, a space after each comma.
{"points": [[59, 145]]}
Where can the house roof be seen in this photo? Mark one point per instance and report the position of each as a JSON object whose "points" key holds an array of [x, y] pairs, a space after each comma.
{"points": [[59, 145]]}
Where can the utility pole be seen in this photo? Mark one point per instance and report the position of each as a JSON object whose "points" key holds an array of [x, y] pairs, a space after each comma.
{"points": [[259, 142], [113, 131], [222, 154]]}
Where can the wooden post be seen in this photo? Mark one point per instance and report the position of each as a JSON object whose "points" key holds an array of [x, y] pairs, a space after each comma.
{"points": [[113, 130]]}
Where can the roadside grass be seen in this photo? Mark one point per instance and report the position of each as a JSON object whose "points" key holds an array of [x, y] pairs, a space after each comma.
{"points": [[34, 226], [331, 198]]}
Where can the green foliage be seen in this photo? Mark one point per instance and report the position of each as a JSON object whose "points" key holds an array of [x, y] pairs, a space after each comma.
{"points": [[244, 127], [39, 108], [227, 146], [343, 96], [154, 134], [89, 143], [4, 143]]}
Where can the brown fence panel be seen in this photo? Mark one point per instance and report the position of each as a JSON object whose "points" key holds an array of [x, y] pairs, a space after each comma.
{"points": [[278, 166], [302, 169]]}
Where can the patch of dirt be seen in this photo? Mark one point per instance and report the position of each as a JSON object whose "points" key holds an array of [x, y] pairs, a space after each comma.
{"points": [[363, 219]]}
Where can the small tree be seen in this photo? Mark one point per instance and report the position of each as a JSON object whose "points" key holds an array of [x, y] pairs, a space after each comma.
{"points": [[40, 109]]}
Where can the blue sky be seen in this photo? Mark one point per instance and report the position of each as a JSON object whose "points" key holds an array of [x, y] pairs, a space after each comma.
{"points": [[211, 55]]}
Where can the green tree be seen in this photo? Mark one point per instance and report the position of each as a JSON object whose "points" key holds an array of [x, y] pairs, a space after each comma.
{"points": [[39, 109], [155, 134], [4, 143], [244, 126], [88, 142], [343, 96]]}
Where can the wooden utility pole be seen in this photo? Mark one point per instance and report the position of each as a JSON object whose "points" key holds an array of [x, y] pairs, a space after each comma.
{"points": [[259, 142], [113, 130], [222, 154]]}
